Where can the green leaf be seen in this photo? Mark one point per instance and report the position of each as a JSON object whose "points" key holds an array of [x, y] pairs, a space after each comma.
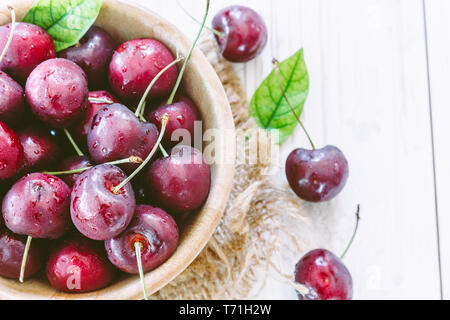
{"points": [[268, 106], [67, 21]]}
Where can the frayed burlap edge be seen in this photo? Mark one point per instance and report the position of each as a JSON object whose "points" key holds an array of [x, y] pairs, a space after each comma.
{"points": [[261, 219]]}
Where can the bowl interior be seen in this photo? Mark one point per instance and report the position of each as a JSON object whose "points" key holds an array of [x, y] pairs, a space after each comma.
{"points": [[126, 22]]}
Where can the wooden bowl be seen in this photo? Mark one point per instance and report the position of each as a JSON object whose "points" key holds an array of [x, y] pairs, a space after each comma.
{"points": [[125, 21]]}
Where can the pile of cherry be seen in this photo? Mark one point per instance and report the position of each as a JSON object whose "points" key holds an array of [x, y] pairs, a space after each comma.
{"points": [[88, 199], [104, 199]]}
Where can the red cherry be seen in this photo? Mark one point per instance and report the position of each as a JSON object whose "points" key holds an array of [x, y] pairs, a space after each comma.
{"points": [[182, 116], [180, 182], [97, 211], [11, 152], [79, 265], [12, 104], [155, 230], [12, 247], [324, 274], [243, 33], [57, 92], [30, 46], [134, 65]]}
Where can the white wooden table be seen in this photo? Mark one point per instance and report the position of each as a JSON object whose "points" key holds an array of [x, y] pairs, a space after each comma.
{"points": [[380, 90]]}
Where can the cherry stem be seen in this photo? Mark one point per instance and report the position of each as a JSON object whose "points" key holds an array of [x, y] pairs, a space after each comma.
{"points": [[278, 73], [99, 100], [74, 144], [164, 121], [354, 233], [141, 107], [24, 259], [11, 33], [138, 248], [183, 68], [216, 32], [163, 151], [132, 159]]}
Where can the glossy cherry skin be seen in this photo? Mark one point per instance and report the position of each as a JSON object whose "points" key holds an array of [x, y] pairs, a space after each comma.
{"points": [[12, 247], [155, 229], [79, 265], [12, 104], [40, 149], [317, 175], [135, 64], [38, 206], [182, 116], [116, 133], [93, 54], [97, 212], [324, 274], [244, 33], [30, 46], [57, 92], [180, 183], [82, 129], [11, 152], [73, 163]]}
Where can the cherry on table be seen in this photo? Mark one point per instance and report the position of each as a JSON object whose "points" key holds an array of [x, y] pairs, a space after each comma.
{"points": [[57, 92], [73, 163], [116, 133], [79, 265], [97, 210], [40, 148], [93, 54], [97, 100], [12, 248], [182, 116], [134, 65], [241, 33], [180, 182], [11, 152], [12, 104], [318, 174], [324, 274], [30, 46]]}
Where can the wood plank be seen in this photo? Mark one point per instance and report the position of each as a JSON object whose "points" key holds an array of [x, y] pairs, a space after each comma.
{"points": [[368, 96], [438, 24]]}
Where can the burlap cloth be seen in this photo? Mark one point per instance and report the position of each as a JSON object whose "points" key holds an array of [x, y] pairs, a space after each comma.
{"points": [[262, 227]]}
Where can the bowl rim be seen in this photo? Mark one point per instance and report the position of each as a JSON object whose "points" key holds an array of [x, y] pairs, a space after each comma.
{"points": [[211, 215]]}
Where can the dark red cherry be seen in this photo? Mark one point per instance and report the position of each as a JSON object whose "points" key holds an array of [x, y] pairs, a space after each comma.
{"points": [[38, 206], [11, 152], [97, 211], [12, 247], [324, 274], [244, 33], [134, 65], [182, 116], [157, 232], [180, 182], [57, 92], [12, 104], [73, 163], [317, 175], [82, 129], [117, 134], [93, 54], [79, 265], [30, 46], [40, 148]]}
